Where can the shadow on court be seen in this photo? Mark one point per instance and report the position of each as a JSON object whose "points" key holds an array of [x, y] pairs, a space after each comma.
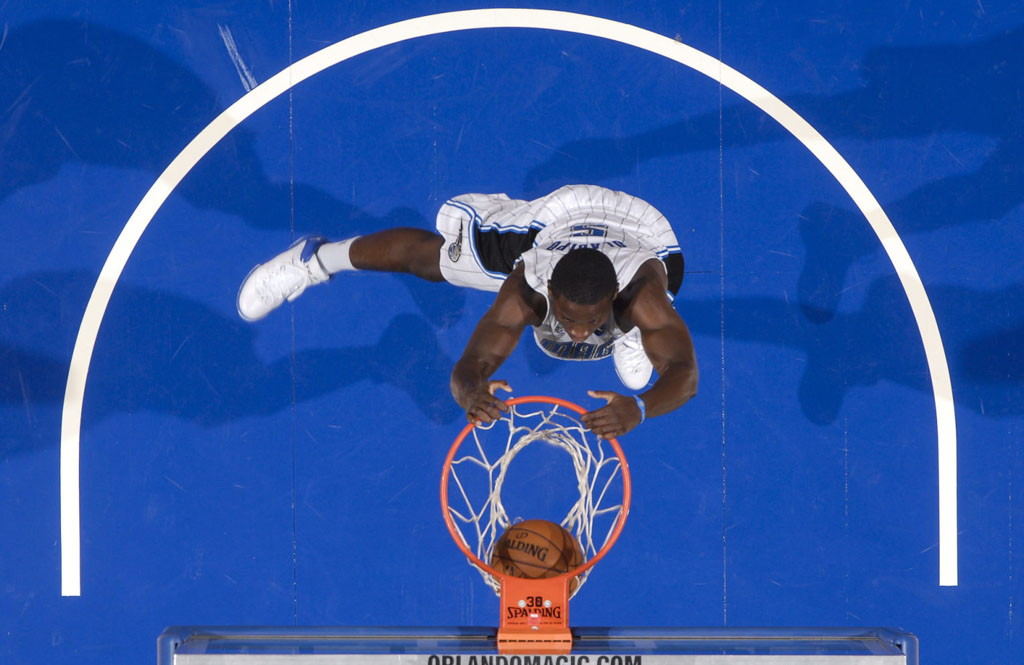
{"points": [[136, 108], [881, 342], [74, 91], [176, 356], [908, 92]]}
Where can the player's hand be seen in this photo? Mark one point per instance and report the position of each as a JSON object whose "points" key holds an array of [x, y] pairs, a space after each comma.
{"points": [[617, 417], [483, 406]]}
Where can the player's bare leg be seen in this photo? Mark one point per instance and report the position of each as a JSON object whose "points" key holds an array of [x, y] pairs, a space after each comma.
{"points": [[403, 250], [313, 260]]}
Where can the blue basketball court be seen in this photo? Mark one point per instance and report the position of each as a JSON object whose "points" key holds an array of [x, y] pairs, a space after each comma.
{"points": [[845, 180]]}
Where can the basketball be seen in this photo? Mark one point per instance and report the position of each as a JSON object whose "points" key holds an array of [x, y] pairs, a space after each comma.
{"points": [[537, 549]]}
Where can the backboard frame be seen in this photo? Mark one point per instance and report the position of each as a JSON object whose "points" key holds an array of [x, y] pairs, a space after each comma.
{"points": [[462, 645]]}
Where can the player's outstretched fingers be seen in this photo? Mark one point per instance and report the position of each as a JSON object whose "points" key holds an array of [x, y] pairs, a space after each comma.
{"points": [[493, 386], [606, 395], [485, 407], [497, 405], [606, 426], [615, 418], [483, 412]]}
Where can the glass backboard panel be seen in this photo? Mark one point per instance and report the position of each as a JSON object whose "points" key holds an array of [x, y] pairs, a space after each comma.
{"points": [[194, 645]]}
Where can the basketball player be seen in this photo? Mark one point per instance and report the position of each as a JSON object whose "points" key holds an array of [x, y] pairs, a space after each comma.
{"points": [[593, 271]]}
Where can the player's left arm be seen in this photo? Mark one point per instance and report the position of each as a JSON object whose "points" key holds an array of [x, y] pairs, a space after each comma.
{"points": [[668, 344]]}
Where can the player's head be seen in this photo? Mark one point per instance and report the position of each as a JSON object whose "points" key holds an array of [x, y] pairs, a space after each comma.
{"points": [[581, 290], [584, 276]]}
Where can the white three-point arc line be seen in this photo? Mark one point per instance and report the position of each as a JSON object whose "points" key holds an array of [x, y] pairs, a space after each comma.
{"points": [[472, 20]]}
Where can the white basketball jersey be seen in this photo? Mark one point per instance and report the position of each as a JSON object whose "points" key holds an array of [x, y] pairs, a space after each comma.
{"points": [[628, 230]]}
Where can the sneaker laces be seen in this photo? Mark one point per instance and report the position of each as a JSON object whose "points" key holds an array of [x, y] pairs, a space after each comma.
{"points": [[286, 281]]}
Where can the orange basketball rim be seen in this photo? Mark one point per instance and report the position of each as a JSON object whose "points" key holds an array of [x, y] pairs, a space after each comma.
{"points": [[535, 612]]}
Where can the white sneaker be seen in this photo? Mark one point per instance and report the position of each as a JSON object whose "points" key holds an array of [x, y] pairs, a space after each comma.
{"points": [[631, 362], [283, 277]]}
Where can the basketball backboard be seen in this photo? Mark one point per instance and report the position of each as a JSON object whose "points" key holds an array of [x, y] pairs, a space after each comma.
{"points": [[193, 645]]}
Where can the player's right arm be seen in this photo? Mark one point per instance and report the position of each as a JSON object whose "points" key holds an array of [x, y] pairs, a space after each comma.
{"points": [[493, 340]]}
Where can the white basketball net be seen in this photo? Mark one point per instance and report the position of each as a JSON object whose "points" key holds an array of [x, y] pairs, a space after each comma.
{"points": [[482, 463]]}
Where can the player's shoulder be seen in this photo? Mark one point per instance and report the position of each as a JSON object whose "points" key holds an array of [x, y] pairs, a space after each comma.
{"points": [[650, 275], [518, 299]]}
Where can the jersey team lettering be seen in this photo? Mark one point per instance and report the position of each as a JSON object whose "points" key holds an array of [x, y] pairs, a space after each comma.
{"points": [[577, 350], [568, 246]]}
